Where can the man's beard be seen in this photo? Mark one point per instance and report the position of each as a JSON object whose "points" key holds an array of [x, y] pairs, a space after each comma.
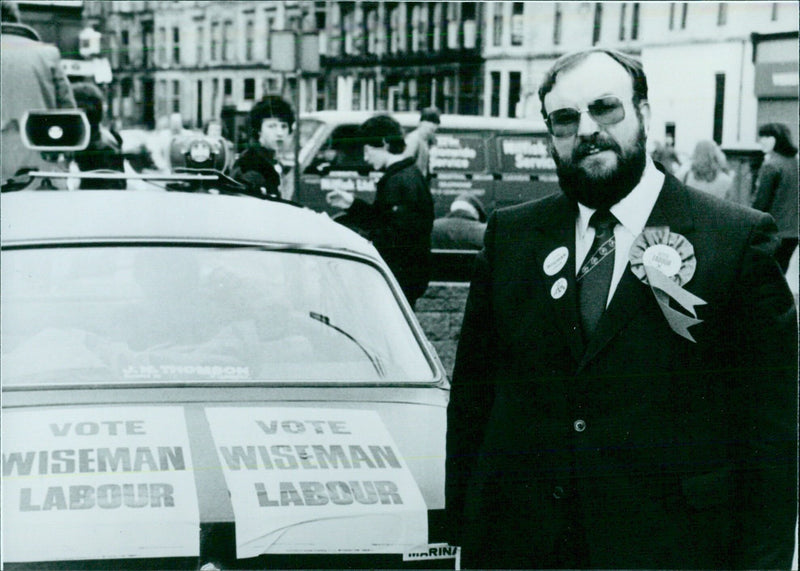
{"points": [[603, 190]]}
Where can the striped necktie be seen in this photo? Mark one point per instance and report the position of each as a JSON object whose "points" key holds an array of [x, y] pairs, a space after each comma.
{"points": [[594, 277]]}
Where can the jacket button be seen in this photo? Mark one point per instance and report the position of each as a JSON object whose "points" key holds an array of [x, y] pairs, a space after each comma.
{"points": [[579, 425], [558, 492]]}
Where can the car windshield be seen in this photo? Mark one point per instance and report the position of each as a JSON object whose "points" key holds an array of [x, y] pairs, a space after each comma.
{"points": [[111, 314]]}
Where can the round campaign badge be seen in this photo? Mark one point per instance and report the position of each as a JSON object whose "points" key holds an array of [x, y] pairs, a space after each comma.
{"points": [[663, 258], [559, 288], [555, 260]]}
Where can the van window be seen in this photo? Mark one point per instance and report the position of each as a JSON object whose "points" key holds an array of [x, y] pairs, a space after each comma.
{"points": [[458, 152], [342, 151]]}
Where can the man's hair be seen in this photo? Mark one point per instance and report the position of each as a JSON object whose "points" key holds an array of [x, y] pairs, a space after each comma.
{"points": [[270, 106], [89, 98], [9, 12], [381, 129], [783, 138], [430, 114], [566, 62]]}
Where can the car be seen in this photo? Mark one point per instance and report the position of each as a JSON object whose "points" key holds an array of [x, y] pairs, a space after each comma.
{"points": [[208, 380]]}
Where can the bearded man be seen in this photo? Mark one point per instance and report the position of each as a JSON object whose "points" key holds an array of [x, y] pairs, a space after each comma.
{"points": [[624, 393]]}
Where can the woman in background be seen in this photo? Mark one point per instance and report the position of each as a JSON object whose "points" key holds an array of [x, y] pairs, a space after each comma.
{"points": [[709, 170], [776, 186]]}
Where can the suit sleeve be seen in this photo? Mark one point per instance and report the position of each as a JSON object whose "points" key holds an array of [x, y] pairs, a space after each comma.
{"points": [[472, 389], [764, 407]]}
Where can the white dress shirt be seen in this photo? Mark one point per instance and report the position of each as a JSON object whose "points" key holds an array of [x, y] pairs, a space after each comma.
{"points": [[632, 213]]}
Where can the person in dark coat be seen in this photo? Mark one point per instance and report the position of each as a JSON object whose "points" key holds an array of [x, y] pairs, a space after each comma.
{"points": [[258, 167], [400, 219], [658, 432], [105, 146], [463, 226], [776, 186]]}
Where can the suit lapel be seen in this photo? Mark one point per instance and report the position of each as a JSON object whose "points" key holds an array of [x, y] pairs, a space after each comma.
{"points": [[557, 230], [671, 209]]}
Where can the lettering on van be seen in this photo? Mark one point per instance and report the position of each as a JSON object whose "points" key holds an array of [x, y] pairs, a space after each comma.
{"points": [[525, 153], [457, 153]]}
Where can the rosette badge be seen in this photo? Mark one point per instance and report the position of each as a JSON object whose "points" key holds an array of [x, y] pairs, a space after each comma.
{"points": [[665, 261]]}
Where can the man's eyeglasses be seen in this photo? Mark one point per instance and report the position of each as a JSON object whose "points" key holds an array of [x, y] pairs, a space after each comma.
{"points": [[605, 111]]}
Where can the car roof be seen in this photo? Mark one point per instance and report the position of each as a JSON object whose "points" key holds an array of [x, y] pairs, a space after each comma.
{"points": [[96, 215], [411, 119]]}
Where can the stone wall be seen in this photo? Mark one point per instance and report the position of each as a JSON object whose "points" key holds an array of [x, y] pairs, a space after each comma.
{"points": [[440, 312]]}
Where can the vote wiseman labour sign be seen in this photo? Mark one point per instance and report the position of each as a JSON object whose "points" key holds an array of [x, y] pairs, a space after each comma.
{"points": [[305, 480]]}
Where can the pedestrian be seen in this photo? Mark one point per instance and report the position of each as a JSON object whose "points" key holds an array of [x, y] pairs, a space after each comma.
{"points": [[104, 151], [463, 226], [708, 170], [420, 140], [31, 79], [400, 219], [776, 186], [665, 154], [258, 167], [625, 387]]}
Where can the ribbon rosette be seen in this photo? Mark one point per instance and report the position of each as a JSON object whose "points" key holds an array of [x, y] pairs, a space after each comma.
{"points": [[665, 261]]}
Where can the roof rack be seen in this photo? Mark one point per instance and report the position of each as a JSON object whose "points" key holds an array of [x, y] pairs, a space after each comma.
{"points": [[183, 179]]}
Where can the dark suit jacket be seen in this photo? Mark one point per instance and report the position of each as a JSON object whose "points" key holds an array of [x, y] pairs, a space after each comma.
{"points": [[687, 453]]}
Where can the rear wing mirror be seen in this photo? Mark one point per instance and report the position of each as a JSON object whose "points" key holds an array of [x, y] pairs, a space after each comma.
{"points": [[55, 130]]}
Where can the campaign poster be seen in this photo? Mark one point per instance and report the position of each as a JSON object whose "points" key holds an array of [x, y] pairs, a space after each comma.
{"points": [[309, 480], [98, 483]]}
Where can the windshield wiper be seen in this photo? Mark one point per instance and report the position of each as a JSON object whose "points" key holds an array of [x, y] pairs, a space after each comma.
{"points": [[374, 359]]}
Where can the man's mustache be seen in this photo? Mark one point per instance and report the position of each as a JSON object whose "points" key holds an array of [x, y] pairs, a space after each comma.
{"points": [[592, 144]]}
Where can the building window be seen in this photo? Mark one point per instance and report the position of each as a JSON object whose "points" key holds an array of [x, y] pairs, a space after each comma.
{"points": [[514, 91], [437, 26], [249, 88], [394, 30], [635, 22], [124, 58], [372, 32], [270, 23], [214, 41], [719, 106], [161, 97], [126, 86], [176, 45], [557, 24], [162, 46], [495, 78], [672, 15], [623, 12], [451, 30], [598, 21], [684, 14], [227, 86], [147, 43], [497, 24], [774, 15], [517, 23], [722, 14], [248, 40], [201, 40], [469, 24], [176, 96], [349, 26], [227, 44]]}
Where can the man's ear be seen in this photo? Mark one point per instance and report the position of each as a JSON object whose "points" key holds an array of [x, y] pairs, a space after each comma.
{"points": [[644, 113]]}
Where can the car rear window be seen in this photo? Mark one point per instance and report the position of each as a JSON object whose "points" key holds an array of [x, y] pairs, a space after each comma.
{"points": [[127, 314]]}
